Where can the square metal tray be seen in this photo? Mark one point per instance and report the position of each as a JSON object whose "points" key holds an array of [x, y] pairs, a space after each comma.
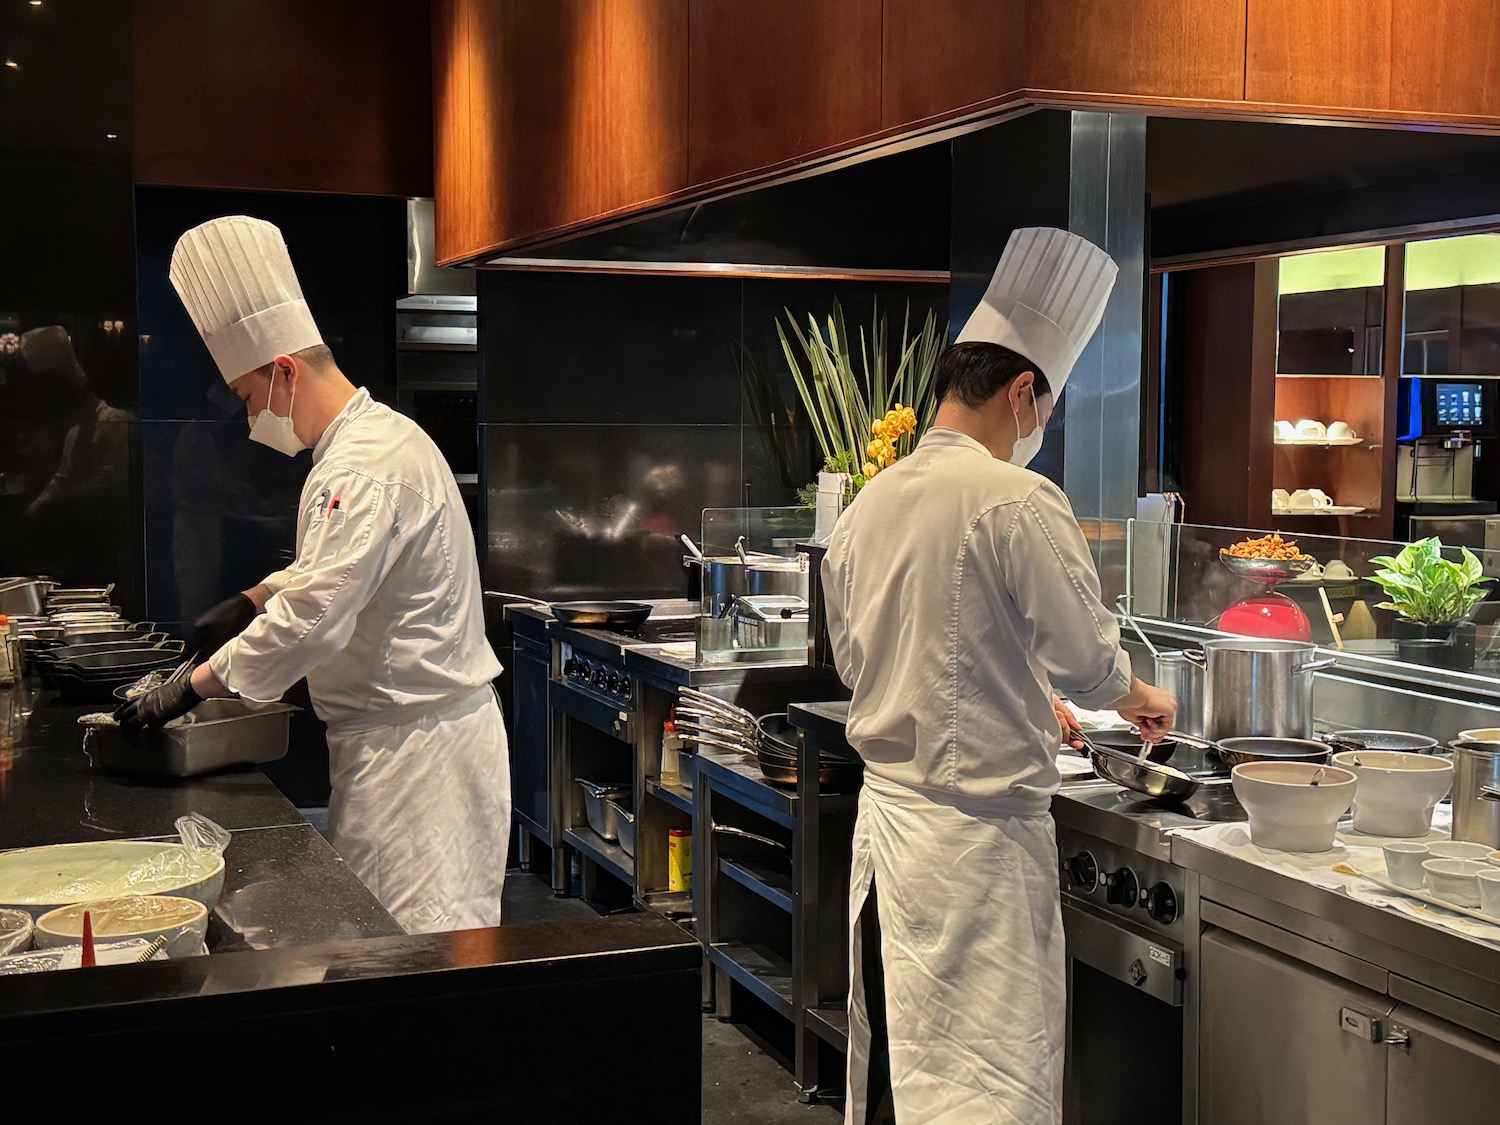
{"points": [[224, 734]]}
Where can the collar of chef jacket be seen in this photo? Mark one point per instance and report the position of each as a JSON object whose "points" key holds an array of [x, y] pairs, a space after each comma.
{"points": [[352, 409]]}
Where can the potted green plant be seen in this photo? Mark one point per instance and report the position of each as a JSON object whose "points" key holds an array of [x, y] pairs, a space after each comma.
{"points": [[864, 418], [1434, 597]]}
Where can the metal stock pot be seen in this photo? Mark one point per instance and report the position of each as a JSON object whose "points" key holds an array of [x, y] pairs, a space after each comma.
{"points": [[1256, 687]]}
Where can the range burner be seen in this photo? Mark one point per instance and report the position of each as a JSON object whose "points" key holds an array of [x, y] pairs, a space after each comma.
{"points": [[1214, 803]]}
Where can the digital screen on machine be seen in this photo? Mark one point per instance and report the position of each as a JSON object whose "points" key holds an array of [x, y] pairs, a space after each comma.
{"points": [[1458, 405]]}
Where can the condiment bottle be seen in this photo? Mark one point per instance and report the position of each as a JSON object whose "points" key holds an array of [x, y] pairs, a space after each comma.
{"points": [[9, 672], [679, 859], [671, 754]]}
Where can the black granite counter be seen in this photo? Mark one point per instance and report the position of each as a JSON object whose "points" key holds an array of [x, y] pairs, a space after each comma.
{"points": [[284, 884]]}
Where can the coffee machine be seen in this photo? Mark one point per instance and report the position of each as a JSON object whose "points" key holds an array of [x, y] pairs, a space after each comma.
{"points": [[1443, 422]]}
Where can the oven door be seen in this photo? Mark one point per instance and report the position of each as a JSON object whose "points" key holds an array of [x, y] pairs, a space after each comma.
{"points": [[604, 716], [1125, 1028]]}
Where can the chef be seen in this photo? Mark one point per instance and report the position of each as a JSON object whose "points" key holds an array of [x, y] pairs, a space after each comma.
{"points": [[960, 595], [381, 611]]}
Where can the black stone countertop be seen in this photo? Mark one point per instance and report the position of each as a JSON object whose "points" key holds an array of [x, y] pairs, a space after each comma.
{"points": [[52, 794], [823, 721], [283, 884]]}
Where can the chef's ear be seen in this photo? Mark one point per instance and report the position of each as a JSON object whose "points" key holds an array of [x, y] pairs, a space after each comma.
{"points": [[1021, 388]]}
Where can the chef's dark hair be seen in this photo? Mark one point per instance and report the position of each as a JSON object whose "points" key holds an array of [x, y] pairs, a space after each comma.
{"points": [[975, 372]]}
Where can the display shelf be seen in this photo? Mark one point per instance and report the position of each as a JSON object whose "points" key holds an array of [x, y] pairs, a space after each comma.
{"points": [[765, 973], [770, 884], [677, 796], [1325, 443], [609, 856], [830, 1025]]}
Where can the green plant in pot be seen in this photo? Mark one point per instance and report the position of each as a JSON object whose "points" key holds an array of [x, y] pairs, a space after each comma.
{"points": [[1434, 597]]}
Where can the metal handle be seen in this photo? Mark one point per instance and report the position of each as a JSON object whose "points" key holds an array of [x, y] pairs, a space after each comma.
{"points": [[1124, 603], [1372, 1029], [1195, 656], [1315, 666], [726, 830], [1489, 793]]}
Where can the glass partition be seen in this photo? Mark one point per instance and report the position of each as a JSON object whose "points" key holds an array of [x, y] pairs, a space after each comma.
{"points": [[770, 531], [1175, 573]]}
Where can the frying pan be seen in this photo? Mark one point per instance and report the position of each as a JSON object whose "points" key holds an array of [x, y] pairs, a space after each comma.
{"points": [[1145, 777], [593, 615]]}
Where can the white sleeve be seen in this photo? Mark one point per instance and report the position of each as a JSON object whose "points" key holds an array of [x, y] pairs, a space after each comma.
{"points": [[835, 598], [277, 581], [1050, 577], [345, 555]]}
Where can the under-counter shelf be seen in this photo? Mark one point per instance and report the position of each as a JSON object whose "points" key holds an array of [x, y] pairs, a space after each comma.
{"points": [[740, 777], [676, 905], [770, 884], [765, 973], [830, 1025], [609, 856], [679, 797]]}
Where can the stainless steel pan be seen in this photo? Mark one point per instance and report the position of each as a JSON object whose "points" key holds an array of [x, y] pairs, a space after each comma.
{"points": [[1139, 775]]}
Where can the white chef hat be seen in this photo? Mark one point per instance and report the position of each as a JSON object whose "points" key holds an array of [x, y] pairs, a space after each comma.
{"points": [[236, 279], [1046, 299]]}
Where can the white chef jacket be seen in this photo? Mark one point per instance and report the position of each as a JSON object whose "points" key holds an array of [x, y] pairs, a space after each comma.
{"points": [[960, 595], [382, 612]]}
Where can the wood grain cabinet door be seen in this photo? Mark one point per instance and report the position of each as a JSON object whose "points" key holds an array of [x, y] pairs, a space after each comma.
{"points": [[771, 80], [1168, 48], [1446, 57], [938, 56], [1331, 54]]}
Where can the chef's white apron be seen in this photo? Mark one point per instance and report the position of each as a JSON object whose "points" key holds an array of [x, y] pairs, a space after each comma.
{"points": [[421, 812], [972, 951]]}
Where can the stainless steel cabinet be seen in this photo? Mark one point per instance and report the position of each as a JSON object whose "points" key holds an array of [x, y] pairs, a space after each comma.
{"points": [[1274, 1046], [1287, 1043], [1443, 1073]]}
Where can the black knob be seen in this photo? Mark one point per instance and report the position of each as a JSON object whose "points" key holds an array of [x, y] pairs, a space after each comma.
{"points": [[625, 690], [1121, 887], [1083, 871], [1160, 901], [570, 666], [613, 683], [597, 677]]}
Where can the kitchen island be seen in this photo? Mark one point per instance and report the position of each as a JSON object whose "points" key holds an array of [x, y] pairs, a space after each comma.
{"points": [[313, 1002], [1252, 995]]}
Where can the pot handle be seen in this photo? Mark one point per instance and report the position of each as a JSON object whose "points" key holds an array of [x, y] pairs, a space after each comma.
{"points": [[1315, 666], [1489, 793], [1195, 656], [1193, 740]]}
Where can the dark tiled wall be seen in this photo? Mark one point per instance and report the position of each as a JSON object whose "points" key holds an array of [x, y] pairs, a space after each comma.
{"points": [[615, 409], [219, 509], [69, 442]]}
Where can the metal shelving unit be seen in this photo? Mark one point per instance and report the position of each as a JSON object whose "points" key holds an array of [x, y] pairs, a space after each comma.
{"points": [[609, 856], [766, 974], [772, 885]]}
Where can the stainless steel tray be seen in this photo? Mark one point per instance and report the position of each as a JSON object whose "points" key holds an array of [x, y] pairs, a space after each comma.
{"points": [[224, 734]]}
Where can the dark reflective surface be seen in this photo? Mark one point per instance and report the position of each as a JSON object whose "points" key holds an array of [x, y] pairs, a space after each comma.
{"points": [[618, 408], [69, 471]]}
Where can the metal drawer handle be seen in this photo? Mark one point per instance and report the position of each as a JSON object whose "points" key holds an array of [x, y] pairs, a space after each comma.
{"points": [[1372, 1029]]}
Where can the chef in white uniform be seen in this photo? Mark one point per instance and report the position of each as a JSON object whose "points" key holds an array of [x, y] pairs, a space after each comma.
{"points": [[381, 612], [960, 596]]}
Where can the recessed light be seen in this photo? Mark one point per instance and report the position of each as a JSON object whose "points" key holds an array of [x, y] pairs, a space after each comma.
{"points": [[111, 136], [12, 64], [36, 3]]}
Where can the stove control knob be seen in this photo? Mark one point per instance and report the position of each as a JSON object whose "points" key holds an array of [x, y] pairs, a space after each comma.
{"points": [[597, 677], [1121, 887], [570, 666], [1083, 871], [1160, 901], [625, 688], [613, 682]]}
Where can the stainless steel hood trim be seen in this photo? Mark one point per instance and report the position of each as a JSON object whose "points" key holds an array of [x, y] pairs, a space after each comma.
{"points": [[713, 269]]}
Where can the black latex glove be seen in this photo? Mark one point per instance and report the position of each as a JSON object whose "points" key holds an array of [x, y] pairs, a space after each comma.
{"points": [[172, 700], [222, 624]]}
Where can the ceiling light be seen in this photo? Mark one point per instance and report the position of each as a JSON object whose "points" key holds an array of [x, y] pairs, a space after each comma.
{"points": [[36, 3], [111, 136], [12, 64]]}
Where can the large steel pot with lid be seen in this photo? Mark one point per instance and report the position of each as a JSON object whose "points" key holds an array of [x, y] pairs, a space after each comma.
{"points": [[1255, 687], [1476, 789]]}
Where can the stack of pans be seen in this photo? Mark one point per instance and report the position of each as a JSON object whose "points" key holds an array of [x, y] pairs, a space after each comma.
{"points": [[775, 744], [91, 673]]}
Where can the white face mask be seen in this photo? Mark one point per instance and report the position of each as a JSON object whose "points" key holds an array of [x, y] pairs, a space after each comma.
{"points": [[1029, 446], [274, 430]]}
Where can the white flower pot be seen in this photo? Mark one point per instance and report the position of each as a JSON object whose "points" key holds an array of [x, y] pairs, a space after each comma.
{"points": [[832, 488]]}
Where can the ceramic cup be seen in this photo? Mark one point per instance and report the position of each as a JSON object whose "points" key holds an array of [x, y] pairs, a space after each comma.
{"points": [[1302, 501], [1340, 431], [1339, 569], [1456, 880], [1280, 497], [1321, 499], [1311, 429], [1403, 863], [1489, 893], [1285, 431]]}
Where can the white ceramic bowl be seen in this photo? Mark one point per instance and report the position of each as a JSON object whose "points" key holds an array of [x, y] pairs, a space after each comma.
{"points": [[1494, 857], [1480, 734], [1458, 849], [1456, 880], [1489, 893], [183, 921], [1289, 813], [1397, 790]]}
